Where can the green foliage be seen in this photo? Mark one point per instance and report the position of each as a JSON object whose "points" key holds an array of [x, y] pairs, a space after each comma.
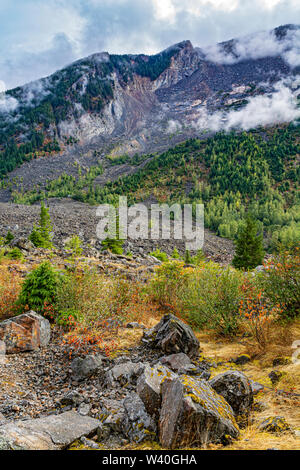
{"points": [[74, 245], [39, 288], [281, 282], [175, 254], [41, 235], [249, 251], [14, 253], [160, 255], [113, 242], [9, 238], [187, 257]]}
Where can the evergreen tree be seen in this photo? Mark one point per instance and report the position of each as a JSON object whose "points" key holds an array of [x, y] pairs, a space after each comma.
{"points": [[9, 238], [41, 235], [249, 251], [113, 242]]}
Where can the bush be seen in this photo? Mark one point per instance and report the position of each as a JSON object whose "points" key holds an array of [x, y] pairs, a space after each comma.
{"points": [[281, 282], [160, 255], [39, 288], [74, 246], [207, 295], [211, 298], [15, 253], [9, 238]]}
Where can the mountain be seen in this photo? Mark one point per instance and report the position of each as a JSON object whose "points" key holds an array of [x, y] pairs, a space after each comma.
{"points": [[116, 104]]}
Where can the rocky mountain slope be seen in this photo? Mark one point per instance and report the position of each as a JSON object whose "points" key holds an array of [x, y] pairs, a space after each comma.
{"points": [[136, 103]]}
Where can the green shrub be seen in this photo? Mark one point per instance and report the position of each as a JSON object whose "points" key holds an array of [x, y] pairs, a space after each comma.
{"points": [[15, 253], [175, 254], [160, 255], [9, 238], [281, 283], [39, 288], [74, 245], [211, 297]]}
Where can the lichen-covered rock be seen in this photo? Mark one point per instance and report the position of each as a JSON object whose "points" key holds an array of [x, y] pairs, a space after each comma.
{"points": [[149, 386], [274, 424], [112, 417], [176, 362], [193, 414], [53, 432], [124, 374], [137, 425], [242, 359], [235, 387], [171, 335], [275, 376], [83, 368], [25, 332]]}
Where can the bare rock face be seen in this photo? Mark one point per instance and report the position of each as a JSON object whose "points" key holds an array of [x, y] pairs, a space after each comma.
{"points": [[25, 332], [149, 387], [171, 335], [50, 433], [236, 388], [124, 373], [193, 414]]}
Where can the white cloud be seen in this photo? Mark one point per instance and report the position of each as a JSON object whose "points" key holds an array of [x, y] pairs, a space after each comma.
{"points": [[264, 110], [258, 45], [7, 103]]}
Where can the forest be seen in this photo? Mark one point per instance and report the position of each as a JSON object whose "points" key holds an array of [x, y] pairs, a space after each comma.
{"points": [[229, 173]]}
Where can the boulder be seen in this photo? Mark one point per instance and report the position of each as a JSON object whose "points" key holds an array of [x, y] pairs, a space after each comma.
{"points": [[274, 424], [25, 332], [124, 374], [112, 416], [275, 376], [176, 362], [236, 389], [171, 335], [135, 325], [256, 387], [83, 368], [72, 398], [149, 387], [137, 425], [53, 432], [242, 359], [193, 414]]}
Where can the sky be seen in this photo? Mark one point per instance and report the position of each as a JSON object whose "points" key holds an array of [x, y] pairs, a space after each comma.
{"points": [[38, 37]]}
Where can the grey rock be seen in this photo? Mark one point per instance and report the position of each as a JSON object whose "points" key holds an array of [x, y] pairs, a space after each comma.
{"points": [[274, 424], [137, 425], [3, 420], [89, 443], [193, 414], [82, 368], [135, 324], [275, 376], [256, 387], [176, 361], [149, 387], [235, 387], [124, 373], [71, 398], [84, 409], [242, 359], [51, 433], [172, 335]]}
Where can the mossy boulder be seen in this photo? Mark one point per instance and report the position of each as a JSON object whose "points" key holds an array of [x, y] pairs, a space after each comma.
{"points": [[193, 414], [274, 424], [236, 389]]}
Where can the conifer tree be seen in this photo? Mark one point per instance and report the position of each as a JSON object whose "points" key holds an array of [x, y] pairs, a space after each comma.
{"points": [[249, 251], [41, 236]]}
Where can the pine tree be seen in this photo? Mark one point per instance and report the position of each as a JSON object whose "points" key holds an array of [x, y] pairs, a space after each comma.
{"points": [[249, 251], [113, 242], [41, 235], [9, 238]]}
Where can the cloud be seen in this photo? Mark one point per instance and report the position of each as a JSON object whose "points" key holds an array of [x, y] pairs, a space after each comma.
{"points": [[277, 107], [39, 37], [258, 45], [7, 103]]}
